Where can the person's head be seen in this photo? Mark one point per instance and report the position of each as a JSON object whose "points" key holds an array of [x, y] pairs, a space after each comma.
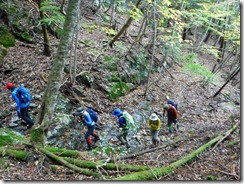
{"points": [[166, 106], [79, 111], [9, 86], [117, 112], [153, 117]]}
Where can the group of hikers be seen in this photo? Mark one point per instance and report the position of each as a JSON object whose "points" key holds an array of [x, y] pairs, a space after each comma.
{"points": [[22, 97]]}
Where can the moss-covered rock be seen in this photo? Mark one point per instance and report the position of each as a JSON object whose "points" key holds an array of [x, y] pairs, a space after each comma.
{"points": [[6, 39], [10, 137]]}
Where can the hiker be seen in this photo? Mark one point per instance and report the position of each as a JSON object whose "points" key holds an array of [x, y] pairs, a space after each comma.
{"points": [[124, 122], [22, 97], [154, 125], [172, 116], [171, 102], [90, 122]]}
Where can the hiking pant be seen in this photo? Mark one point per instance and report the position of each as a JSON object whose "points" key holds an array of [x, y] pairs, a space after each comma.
{"points": [[154, 136], [122, 136], [24, 114], [91, 131], [170, 122]]}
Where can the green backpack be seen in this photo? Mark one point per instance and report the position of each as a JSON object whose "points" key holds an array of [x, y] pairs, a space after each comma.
{"points": [[130, 123]]}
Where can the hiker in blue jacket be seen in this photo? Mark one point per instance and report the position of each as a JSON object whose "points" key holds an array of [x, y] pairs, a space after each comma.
{"points": [[122, 136], [90, 123], [22, 103]]}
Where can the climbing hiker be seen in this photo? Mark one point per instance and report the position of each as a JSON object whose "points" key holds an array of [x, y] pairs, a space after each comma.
{"points": [[125, 121], [154, 125], [89, 118], [22, 97], [172, 116], [171, 102]]}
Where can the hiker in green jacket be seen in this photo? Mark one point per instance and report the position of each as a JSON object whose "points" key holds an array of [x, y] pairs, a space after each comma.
{"points": [[124, 125]]}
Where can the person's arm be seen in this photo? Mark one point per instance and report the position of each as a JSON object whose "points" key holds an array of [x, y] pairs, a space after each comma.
{"points": [[16, 99]]}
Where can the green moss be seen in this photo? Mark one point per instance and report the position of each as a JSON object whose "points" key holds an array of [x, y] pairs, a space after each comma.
{"points": [[10, 137], [3, 53], [3, 163], [6, 39], [37, 137], [211, 177]]}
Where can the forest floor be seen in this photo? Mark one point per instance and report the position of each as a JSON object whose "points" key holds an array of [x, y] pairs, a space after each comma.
{"points": [[201, 117]]}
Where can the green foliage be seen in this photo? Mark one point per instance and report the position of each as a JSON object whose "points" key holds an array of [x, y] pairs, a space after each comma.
{"points": [[192, 66], [54, 11], [89, 28], [117, 90], [109, 31], [88, 42], [136, 13], [110, 59]]}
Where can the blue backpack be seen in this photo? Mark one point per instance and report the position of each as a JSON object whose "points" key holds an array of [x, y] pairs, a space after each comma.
{"points": [[172, 103], [24, 94], [93, 114]]}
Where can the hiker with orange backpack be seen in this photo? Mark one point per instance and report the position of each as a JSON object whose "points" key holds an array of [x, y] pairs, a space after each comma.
{"points": [[89, 118], [22, 97], [125, 122], [172, 115]]}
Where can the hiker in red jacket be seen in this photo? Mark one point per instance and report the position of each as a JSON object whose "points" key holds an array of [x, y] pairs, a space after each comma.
{"points": [[172, 116]]}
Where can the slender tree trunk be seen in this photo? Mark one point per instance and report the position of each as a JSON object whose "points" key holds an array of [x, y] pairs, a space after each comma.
{"points": [[46, 112], [124, 28], [151, 63], [47, 50], [230, 78]]}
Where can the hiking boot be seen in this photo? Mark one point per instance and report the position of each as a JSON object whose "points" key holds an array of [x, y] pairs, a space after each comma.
{"points": [[29, 126], [90, 147], [96, 139]]}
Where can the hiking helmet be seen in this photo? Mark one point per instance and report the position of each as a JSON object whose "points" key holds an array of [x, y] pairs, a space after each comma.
{"points": [[79, 111], [153, 117], [9, 86], [117, 112], [166, 106]]}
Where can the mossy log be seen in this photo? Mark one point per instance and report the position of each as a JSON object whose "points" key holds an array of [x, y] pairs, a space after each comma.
{"points": [[69, 165], [108, 166], [159, 172], [63, 152], [17, 154]]}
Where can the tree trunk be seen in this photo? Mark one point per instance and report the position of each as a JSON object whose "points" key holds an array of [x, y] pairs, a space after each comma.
{"points": [[107, 166], [17, 154], [47, 50], [230, 78], [46, 112], [124, 28], [159, 172], [69, 165]]}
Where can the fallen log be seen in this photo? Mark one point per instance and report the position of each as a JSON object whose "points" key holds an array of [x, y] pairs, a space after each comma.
{"points": [[107, 166], [69, 165], [153, 173], [19, 155], [148, 150], [63, 152]]}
